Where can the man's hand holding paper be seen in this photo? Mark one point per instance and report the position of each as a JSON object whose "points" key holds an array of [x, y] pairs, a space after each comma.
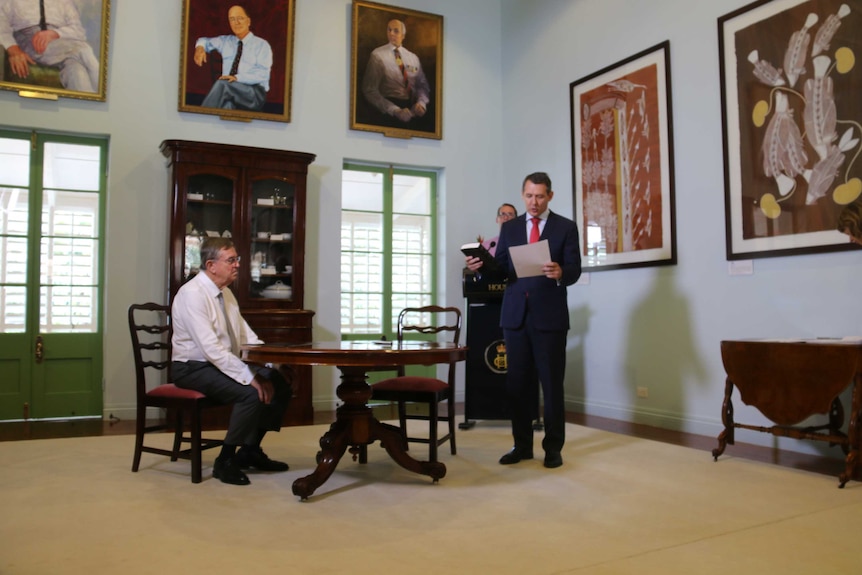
{"points": [[534, 260]]}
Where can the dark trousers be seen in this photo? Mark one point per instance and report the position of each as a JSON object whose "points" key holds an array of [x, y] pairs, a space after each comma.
{"points": [[367, 114], [250, 417], [532, 352]]}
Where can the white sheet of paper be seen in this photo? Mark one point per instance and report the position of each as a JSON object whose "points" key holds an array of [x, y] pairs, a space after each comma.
{"points": [[528, 259]]}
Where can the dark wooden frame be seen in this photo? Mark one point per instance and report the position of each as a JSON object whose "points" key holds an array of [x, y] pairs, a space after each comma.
{"points": [[771, 212], [272, 20], [424, 38], [632, 95], [95, 17]]}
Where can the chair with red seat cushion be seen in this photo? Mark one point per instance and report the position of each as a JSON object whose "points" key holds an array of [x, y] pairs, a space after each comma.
{"points": [[150, 327], [405, 389]]}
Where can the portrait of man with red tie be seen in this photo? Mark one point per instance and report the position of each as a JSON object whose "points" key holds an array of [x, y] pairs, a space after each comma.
{"points": [[535, 319], [394, 87]]}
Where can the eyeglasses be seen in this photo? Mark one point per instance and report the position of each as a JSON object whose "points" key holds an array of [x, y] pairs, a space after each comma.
{"points": [[507, 215], [234, 20], [232, 261]]}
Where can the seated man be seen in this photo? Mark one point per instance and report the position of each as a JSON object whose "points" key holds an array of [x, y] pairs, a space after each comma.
{"points": [[208, 331], [246, 65], [50, 36]]}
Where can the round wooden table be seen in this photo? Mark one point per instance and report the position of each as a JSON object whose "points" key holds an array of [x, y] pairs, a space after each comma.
{"points": [[355, 424]]}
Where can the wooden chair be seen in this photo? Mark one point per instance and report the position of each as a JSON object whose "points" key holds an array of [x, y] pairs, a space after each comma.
{"points": [[431, 391], [150, 327]]}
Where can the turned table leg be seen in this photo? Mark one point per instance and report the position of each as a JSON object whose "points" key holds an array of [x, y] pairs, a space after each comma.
{"points": [[854, 434], [355, 425], [726, 436]]}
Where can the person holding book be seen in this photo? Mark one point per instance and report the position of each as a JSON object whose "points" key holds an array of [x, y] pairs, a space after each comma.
{"points": [[535, 319], [504, 213]]}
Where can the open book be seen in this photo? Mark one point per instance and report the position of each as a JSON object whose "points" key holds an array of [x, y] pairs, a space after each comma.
{"points": [[477, 250]]}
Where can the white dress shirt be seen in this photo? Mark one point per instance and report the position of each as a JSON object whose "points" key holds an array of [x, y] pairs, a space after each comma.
{"points": [[255, 65], [200, 330], [383, 79], [60, 15]]}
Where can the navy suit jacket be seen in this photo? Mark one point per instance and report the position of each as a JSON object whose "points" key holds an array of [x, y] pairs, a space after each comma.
{"points": [[543, 297]]}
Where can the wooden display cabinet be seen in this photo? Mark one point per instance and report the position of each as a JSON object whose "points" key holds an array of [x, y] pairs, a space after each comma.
{"points": [[256, 197]]}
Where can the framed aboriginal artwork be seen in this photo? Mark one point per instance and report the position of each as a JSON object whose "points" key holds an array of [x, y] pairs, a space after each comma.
{"points": [[61, 50], [236, 60], [792, 120], [622, 163]]}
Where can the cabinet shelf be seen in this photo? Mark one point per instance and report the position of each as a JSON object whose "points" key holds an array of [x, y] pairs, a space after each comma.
{"points": [[210, 202]]}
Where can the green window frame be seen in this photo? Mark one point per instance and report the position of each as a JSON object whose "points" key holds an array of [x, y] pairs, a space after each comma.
{"points": [[388, 247], [65, 263]]}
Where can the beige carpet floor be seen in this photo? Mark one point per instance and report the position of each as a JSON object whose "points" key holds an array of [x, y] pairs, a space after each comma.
{"points": [[619, 505]]}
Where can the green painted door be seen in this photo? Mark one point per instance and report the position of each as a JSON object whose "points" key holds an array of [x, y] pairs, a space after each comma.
{"points": [[51, 226]]}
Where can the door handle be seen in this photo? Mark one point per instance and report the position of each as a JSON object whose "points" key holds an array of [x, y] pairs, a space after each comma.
{"points": [[40, 349]]}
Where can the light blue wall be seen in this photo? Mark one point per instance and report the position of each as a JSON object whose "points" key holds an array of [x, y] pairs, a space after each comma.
{"points": [[660, 327]]}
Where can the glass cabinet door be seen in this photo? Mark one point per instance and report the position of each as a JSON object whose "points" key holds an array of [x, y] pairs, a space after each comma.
{"points": [[209, 213], [271, 244]]}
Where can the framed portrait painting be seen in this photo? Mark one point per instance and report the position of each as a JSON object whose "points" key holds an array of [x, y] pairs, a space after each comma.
{"points": [[396, 71], [792, 120], [622, 163], [56, 48], [236, 60]]}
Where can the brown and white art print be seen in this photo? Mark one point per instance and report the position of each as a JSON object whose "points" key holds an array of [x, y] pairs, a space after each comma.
{"points": [[792, 124], [622, 163]]}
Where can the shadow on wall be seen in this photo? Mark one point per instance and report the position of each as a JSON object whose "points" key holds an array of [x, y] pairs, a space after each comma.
{"points": [[579, 318], [661, 355]]}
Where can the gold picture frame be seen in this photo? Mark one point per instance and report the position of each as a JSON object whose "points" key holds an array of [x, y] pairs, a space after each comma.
{"points": [[373, 103], [262, 90], [38, 69]]}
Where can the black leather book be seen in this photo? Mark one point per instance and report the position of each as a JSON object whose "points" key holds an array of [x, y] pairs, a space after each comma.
{"points": [[477, 250]]}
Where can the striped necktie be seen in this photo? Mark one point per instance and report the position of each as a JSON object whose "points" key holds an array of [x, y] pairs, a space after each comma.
{"points": [[403, 68], [234, 344]]}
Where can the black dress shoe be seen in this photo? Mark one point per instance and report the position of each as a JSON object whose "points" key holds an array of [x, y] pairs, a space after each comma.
{"points": [[228, 471], [248, 457], [515, 455], [553, 460]]}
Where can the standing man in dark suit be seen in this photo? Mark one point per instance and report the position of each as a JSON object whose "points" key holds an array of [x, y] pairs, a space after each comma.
{"points": [[535, 319]]}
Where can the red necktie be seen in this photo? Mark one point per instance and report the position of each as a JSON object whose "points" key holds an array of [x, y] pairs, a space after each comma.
{"points": [[534, 231]]}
